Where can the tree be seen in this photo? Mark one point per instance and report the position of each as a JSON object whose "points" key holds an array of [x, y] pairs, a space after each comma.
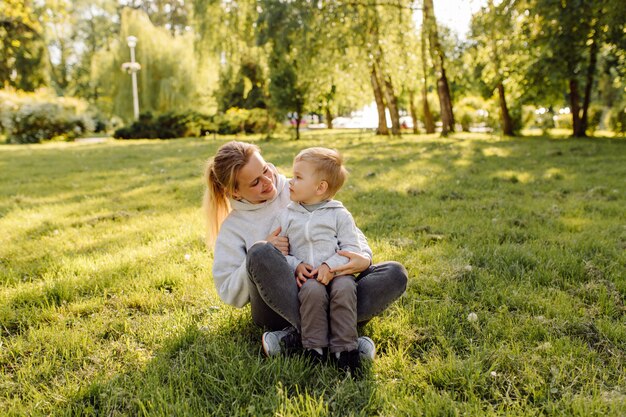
{"points": [[438, 58], [566, 37], [496, 50], [22, 47], [168, 78], [287, 29]]}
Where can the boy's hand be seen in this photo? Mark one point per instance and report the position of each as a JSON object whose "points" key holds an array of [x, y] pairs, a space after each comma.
{"points": [[324, 275], [303, 272]]}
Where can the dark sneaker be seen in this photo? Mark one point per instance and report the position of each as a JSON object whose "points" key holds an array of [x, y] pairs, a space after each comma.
{"points": [[314, 356], [350, 361], [280, 341]]}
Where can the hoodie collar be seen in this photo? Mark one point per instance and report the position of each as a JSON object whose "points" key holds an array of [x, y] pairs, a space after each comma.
{"points": [[329, 205]]}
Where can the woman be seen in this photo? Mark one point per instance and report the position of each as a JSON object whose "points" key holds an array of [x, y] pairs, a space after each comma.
{"points": [[243, 196]]}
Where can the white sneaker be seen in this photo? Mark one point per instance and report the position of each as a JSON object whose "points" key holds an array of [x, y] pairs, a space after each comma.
{"points": [[367, 348], [280, 341]]}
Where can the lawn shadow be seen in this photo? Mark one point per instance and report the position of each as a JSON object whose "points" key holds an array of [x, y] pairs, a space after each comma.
{"points": [[222, 371]]}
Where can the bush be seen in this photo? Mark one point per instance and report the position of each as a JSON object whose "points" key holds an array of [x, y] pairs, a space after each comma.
{"points": [[168, 126], [35, 117], [194, 124], [237, 120], [594, 118], [617, 119], [474, 112]]}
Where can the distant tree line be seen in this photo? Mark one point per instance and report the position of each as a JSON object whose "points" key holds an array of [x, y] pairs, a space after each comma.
{"points": [[327, 57]]}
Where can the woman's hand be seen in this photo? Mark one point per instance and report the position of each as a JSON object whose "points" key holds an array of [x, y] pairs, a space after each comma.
{"points": [[303, 272], [357, 263], [281, 242]]}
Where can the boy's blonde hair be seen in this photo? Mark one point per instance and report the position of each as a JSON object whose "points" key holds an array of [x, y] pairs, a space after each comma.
{"points": [[328, 165], [221, 181]]}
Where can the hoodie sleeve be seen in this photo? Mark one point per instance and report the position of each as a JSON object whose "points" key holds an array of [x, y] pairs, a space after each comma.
{"points": [[349, 238], [282, 221], [230, 274]]}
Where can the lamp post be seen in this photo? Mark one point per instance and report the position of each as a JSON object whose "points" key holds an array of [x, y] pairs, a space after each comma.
{"points": [[132, 67]]}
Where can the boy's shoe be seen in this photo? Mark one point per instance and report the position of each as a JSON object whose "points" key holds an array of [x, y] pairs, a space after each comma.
{"points": [[281, 341], [366, 348], [314, 356], [350, 361]]}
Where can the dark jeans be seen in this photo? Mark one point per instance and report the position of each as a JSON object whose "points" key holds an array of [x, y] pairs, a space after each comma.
{"points": [[274, 292]]}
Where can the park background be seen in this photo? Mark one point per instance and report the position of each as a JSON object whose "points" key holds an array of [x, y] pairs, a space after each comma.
{"points": [[494, 171]]}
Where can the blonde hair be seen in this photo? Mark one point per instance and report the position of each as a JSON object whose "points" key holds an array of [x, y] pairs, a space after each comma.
{"points": [[328, 165], [221, 181]]}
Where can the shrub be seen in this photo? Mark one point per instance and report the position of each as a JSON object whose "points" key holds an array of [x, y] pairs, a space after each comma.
{"points": [[35, 117], [237, 120], [617, 119], [594, 118], [168, 126], [194, 124]]}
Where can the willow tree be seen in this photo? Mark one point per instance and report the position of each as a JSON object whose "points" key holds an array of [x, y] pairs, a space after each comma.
{"points": [[167, 80], [439, 58]]}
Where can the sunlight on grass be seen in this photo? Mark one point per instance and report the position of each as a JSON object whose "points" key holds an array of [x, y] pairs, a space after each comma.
{"points": [[107, 305]]}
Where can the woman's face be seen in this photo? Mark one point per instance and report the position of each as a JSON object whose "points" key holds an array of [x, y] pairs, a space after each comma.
{"points": [[255, 181]]}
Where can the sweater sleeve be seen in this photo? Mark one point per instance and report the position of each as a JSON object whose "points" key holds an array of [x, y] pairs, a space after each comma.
{"points": [[347, 239], [282, 221], [230, 274]]}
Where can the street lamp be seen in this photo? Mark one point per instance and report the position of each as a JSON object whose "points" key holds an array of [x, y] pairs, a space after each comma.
{"points": [[132, 67]]}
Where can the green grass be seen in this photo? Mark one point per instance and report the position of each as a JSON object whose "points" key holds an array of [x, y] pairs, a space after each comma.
{"points": [[107, 306]]}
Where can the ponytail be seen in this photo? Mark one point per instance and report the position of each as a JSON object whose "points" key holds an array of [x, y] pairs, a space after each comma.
{"points": [[221, 181]]}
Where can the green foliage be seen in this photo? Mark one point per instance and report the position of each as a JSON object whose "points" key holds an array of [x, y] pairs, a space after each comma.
{"points": [[245, 121], [167, 126], [168, 77], [22, 47], [245, 89], [617, 119], [37, 117], [194, 124]]}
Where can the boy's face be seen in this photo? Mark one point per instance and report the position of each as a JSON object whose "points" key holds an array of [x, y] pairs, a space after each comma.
{"points": [[305, 186]]}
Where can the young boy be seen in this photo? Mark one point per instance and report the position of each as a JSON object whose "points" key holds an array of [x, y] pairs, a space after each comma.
{"points": [[317, 227]]}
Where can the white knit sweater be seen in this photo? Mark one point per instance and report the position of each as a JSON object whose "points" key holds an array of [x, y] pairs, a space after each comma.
{"points": [[245, 225]]}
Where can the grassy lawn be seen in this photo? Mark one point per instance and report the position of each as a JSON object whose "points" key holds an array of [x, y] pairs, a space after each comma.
{"points": [[107, 305]]}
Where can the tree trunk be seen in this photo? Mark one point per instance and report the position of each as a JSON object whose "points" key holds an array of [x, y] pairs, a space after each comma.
{"points": [[298, 121], [392, 104], [447, 118], [593, 57], [438, 57], [328, 116], [380, 103], [574, 99], [413, 111], [505, 117], [429, 123]]}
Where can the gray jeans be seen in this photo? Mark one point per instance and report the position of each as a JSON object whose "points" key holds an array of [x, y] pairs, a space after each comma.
{"points": [[274, 292]]}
